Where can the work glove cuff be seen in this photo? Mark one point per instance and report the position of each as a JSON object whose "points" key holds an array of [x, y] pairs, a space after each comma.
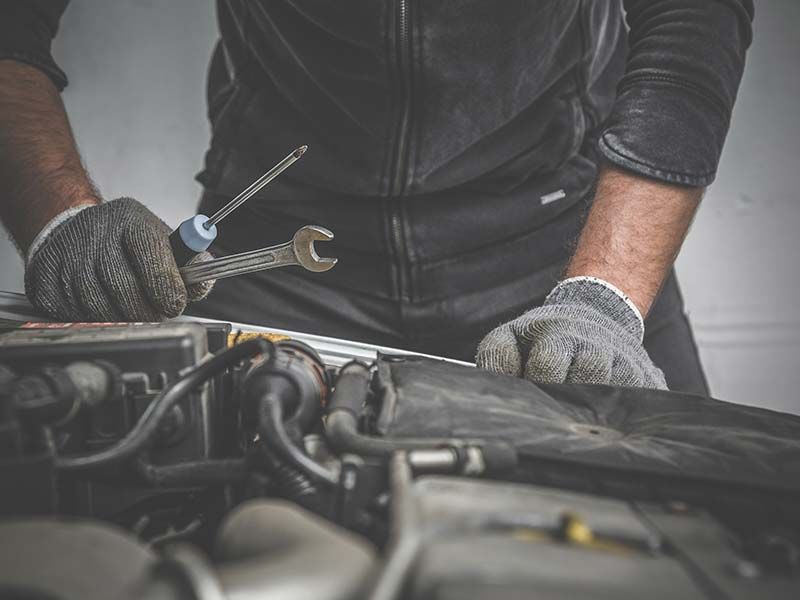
{"points": [[602, 296], [50, 227]]}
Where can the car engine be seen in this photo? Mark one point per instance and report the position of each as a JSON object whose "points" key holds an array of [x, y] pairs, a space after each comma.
{"points": [[193, 461]]}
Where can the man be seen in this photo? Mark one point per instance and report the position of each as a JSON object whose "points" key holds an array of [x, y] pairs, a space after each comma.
{"points": [[457, 149]]}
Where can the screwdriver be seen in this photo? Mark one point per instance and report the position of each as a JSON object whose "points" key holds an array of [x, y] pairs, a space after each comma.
{"points": [[197, 233]]}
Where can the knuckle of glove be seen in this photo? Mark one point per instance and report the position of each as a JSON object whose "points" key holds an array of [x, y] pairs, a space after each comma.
{"points": [[125, 290], [591, 364], [142, 270], [538, 323], [549, 359], [146, 247], [498, 352], [95, 303], [198, 291], [633, 368]]}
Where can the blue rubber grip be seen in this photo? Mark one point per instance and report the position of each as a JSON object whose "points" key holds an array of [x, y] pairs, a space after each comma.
{"points": [[195, 236], [190, 238]]}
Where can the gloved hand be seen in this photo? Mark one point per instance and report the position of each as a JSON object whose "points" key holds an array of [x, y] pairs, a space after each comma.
{"points": [[108, 262], [587, 331]]}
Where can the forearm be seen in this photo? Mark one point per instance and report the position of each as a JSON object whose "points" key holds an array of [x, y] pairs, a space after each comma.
{"points": [[633, 233], [40, 169]]}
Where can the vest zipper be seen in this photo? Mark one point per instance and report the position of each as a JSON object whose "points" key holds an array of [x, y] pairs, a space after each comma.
{"points": [[397, 186]]}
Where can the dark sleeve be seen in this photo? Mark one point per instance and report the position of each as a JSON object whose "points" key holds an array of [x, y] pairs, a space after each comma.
{"points": [[27, 28], [674, 103]]}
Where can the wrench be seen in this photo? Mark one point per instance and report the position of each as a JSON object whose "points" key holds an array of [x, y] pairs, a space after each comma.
{"points": [[299, 251]]}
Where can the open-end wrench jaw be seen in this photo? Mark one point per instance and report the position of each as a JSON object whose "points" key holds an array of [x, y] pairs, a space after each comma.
{"points": [[306, 253], [298, 251]]}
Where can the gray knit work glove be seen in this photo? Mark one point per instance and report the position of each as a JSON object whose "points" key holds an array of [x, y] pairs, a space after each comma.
{"points": [[108, 262], [587, 331]]}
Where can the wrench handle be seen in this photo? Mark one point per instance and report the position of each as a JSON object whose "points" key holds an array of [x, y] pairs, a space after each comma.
{"points": [[239, 264]]}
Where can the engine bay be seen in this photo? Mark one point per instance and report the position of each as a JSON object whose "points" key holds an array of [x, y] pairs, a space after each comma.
{"points": [[189, 460]]}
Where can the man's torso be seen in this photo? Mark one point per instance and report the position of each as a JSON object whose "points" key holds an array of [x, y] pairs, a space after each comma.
{"points": [[450, 142]]}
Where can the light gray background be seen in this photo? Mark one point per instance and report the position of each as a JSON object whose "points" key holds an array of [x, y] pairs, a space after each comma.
{"points": [[136, 100]]}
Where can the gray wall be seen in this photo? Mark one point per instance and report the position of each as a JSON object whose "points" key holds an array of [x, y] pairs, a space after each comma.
{"points": [[741, 262], [136, 101]]}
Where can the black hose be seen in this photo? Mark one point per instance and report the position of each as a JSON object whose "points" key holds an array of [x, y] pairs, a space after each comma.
{"points": [[341, 430], [147, 425], [352, 388], [292, 484], [341, 425], [193, 474], [310, 379], [298, 376], [273, 435]]}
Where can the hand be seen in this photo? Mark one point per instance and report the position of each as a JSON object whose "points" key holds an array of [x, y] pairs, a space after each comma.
{"points": [[587, 331], [109, 262]]}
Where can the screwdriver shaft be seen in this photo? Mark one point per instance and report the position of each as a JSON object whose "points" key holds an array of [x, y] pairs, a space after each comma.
{"points": [[255, 187]]}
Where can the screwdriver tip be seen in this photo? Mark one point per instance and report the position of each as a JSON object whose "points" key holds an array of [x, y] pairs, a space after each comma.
{"points": [[300, 151]]}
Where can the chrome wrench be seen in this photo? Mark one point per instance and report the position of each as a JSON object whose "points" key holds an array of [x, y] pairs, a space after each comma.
{"points": [[299, 251]]}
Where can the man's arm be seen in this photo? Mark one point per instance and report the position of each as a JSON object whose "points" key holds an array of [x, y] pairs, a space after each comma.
{"points": [[84, 259], [591, 326], [666, 130], [633, 233], [109, 262], [41, 174]]}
